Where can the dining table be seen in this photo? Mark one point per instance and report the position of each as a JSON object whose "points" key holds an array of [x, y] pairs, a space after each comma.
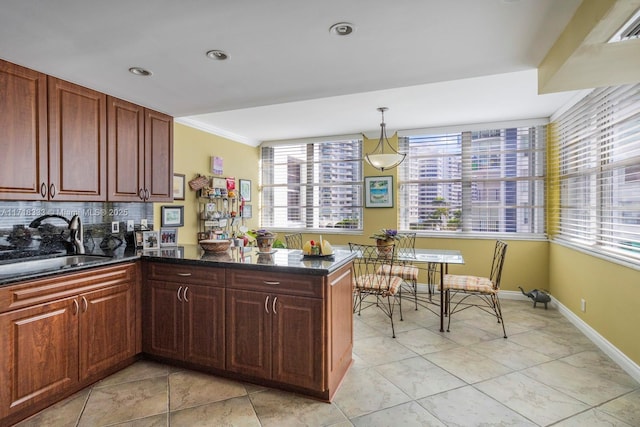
{"points": [[424, 259]]}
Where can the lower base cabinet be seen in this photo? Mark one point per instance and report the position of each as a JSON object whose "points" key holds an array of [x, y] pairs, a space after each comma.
{"points": [[53, 348], [286, 330], [275, 337], [183, 314]]}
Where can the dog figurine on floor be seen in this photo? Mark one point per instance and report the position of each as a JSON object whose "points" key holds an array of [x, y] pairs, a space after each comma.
{"points": [[537, 296]]}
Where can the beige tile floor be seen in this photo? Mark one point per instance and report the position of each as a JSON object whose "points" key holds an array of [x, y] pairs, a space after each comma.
{"points": [[546, 373]]}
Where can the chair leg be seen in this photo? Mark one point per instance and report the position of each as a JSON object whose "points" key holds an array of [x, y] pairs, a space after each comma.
{"points": [[414, 283], [498, 310], [399, 302], [447, 305], [390, 304]]}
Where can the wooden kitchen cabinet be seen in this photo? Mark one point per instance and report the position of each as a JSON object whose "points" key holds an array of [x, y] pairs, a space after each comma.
{"points": [[140, 153], [274, 336], [77, 142], [63, 333], [183, 314], [24, 141]]}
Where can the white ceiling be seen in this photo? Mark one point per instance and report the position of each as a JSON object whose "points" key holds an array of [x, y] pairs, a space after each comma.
{"points": [[432, 62]]}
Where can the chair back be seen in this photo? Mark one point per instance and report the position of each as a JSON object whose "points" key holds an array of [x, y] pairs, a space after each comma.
{"points": [[368, 266], [294, 240], [406, 245], [498, 260]]}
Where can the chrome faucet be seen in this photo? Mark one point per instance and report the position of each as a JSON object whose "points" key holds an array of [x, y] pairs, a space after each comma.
{"points": [[75, 229], [76, 234]]}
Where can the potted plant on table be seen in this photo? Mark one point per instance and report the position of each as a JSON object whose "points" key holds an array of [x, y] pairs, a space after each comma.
{"points": [[264, 239], [385, 238]]}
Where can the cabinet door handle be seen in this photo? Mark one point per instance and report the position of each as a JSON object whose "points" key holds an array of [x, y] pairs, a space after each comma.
{"points": [[52, 190], [273, 306], [146, 194], [267, 282], [75, 307], [43, 190], [141, 194], [184, 274], [184, 294], [266, 304], [179, 290], [85, 305]]}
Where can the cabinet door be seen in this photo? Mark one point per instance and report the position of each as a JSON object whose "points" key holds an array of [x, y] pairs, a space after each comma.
{"points": [[39, 357], [204, 325], [162, 320], [298, 353], [23, 120], [107, 329], [126, 150], [77, 142], [248, 333], [158, 148]]}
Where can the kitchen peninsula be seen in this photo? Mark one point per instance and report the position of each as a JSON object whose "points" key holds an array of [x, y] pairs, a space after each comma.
{"points": [[276, 319]]}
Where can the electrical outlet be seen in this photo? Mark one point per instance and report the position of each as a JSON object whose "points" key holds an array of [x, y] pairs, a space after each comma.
{"points": [[583, 305], [130, 225], [115, 227], [143, 223]]}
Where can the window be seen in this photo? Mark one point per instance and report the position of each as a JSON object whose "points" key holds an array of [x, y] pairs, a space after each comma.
{"points": [[598, 170], [489, 180], [312, 185]]}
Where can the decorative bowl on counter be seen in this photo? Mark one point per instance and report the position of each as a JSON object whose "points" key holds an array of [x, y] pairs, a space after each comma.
{"points": [[215, 245]]}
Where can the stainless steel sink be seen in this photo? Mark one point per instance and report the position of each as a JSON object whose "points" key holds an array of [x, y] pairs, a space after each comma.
{"points": [[46, 264]]}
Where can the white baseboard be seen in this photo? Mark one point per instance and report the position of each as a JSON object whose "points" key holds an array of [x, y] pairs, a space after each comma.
{"points": [[628, 365]]}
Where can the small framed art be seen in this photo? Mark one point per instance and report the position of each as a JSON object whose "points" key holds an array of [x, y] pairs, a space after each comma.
{"points": [[378, 191], [245, 189], [171, 216], [150, 240], [168, 237], [178, 186]]}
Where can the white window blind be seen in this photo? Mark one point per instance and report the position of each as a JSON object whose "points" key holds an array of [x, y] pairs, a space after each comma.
{"points": [[599, 172], [474, 181], [314, 185]]}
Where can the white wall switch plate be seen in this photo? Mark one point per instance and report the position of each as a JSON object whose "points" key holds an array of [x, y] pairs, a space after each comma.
{"points": [[115, 227], [143, 223], [130, 225]]}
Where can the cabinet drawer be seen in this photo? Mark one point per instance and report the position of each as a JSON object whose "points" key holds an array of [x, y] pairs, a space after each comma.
{"points": [[184, 273], [286, 283], [60, 286]]}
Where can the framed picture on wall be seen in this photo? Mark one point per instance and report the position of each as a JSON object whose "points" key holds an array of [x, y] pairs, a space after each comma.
{"points": [[171, 216], [178, 186], [247, 211], [378, 191], [245, 189]]}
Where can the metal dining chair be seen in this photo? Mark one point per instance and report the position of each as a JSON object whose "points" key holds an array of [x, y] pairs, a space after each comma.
{"points": [[477, 291], [370, 279], [405, 252], [294, 240]]}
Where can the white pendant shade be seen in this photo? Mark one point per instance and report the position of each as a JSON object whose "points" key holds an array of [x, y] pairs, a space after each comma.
{"points": [[378, 158]]}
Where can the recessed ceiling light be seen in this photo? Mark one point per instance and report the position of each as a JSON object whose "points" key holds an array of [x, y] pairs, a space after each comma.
{"points": [[342, 29], [139, 71], [217, 54]]}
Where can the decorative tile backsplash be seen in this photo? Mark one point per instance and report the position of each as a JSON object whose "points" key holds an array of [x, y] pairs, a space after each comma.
{"points": [[52, 233]]}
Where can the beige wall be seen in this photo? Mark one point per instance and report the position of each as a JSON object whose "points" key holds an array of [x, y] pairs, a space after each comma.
{"points": [[192, 152], [612, 293]]}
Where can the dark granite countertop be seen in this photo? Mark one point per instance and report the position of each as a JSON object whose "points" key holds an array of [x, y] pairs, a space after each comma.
{"points": [[283, 260]]}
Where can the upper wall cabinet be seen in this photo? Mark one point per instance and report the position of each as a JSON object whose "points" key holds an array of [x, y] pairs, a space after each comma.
{"points": [[24, 173], [54, 138], [140, 153], [77, 142]]}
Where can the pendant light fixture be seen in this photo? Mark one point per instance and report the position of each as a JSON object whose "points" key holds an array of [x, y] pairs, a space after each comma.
{"points": [[380, 159]]}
